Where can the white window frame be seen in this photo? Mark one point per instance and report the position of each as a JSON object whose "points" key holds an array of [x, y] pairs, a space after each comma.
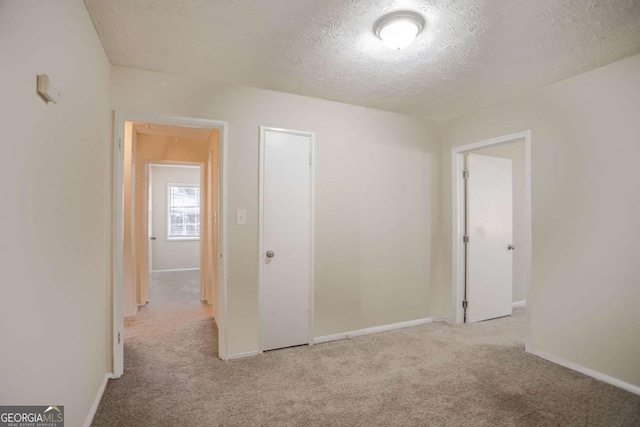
{"points": [[168, 219]]}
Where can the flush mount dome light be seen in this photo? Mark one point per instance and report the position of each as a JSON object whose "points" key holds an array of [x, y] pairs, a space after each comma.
{"points": [[399, 29]]}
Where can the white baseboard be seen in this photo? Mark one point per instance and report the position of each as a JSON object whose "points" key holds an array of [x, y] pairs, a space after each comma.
{"points": [[243, 355], [522, 303], [96, 401], [367, 331], [444, 320], [590, 372], [351, 334], [175, 269]]}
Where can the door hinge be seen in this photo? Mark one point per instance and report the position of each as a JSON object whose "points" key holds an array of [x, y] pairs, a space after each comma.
{"points": [[120, 144], [465, 174], [465, 239], [309, 159], [465, 303], [118, 337]]}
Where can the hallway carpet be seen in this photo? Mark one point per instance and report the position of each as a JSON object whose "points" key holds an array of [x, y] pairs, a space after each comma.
{"points": [[430, 375]]}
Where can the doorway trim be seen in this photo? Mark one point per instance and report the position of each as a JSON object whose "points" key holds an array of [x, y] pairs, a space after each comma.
{"points": [[118, 226], [457, 200], [312, 137]]}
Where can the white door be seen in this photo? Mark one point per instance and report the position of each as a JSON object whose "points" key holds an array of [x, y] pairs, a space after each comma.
{"points": [[286, 246], [490, 231]]}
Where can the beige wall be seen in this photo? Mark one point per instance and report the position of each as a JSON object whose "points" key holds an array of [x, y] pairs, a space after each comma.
{"points": [[377, 198], [56, 208], [514, 151], [171, 254], [586, 205]]}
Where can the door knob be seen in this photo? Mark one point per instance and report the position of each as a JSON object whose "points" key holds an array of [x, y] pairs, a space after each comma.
{"points": [[510, 247], [152, 238], [270, 254]]}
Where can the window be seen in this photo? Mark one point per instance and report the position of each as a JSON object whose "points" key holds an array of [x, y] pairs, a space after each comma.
{"points": [[184, 212]]}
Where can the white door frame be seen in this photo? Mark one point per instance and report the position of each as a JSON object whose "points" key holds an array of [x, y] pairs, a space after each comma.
{"points": [[312, 136], [118, 226], [457, 167]]}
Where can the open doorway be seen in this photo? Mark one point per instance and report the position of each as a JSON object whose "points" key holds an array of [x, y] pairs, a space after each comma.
{"points": [[174, 216], [169, 234], [492, 229]]}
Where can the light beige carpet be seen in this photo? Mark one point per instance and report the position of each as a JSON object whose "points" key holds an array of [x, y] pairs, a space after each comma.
{"points": [[431, 375]]}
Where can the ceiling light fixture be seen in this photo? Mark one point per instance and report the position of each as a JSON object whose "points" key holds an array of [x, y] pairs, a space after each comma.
{"points": [[399, 29]]}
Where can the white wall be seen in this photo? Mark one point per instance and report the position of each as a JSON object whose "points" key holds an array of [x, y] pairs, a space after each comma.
{"points": [[171, 254], [514, 151], [56, 210], [377, 198], [586, 205]]}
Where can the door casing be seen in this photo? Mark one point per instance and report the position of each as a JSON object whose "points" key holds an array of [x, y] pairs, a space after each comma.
{"points": [[118, 226], [457, 245], [261, 249]]}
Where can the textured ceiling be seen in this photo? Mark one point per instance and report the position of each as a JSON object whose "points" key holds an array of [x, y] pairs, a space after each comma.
{"points": [[472, 53]]}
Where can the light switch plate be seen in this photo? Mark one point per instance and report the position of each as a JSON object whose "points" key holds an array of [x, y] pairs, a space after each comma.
{"points": [[241, 217]]}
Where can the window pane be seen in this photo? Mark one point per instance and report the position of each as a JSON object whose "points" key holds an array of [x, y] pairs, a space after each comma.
{"points": [[184, 211]]}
